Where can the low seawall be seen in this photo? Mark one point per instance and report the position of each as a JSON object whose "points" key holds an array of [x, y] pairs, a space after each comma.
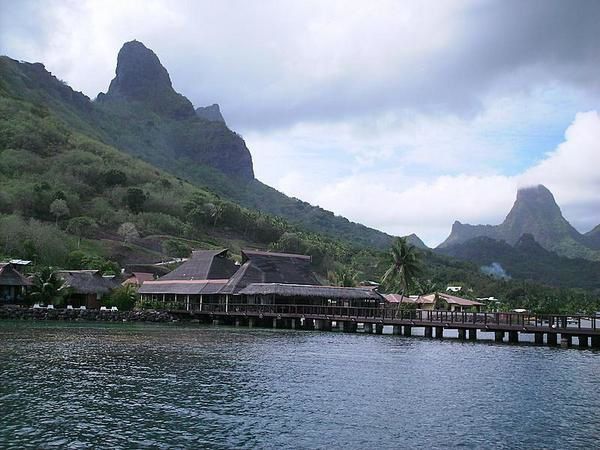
{"points": [[17, 313]]}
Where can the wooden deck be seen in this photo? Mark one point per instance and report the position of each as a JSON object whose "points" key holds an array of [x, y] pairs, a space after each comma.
{"points": [[585, 328]]}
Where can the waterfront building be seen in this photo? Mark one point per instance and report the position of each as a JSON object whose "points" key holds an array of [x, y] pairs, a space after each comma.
{"points": [[209, 280], [13, 285], [437, 301], [86, 287]]}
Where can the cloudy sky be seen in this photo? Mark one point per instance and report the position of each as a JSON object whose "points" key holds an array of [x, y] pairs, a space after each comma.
{"points": [[402, 115]]}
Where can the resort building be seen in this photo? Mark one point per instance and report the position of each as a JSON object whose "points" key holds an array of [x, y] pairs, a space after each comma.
{"points": [[197, 281], [13, 285], [437, 301], [86, 287], [210, 281]]}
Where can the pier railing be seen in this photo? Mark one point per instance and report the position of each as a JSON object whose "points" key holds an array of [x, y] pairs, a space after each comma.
{"points": [[418, 317]]}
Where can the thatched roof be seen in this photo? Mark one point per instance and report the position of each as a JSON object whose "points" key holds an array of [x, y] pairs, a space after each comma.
{"points": [[9, 276], [299, 290], [271, 267], [86, 281], [204, 265], [182, 287]]}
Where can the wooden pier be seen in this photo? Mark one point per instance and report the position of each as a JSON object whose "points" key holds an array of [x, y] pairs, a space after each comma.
{"points": [[551, 330]]}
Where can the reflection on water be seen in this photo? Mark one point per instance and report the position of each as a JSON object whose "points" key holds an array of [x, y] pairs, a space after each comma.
{"points": [[144, 386]]}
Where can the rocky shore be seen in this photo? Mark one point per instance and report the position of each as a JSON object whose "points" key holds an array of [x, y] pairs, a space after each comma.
{"points": [[19, 313]]}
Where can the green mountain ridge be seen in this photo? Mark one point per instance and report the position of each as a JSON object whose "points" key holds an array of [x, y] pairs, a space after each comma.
{"points": [[74, 172], [534, 212], [527, 260], [202, 151]]}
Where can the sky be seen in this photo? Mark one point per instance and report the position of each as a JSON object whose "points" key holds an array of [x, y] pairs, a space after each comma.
{"points": [[402, 115]]}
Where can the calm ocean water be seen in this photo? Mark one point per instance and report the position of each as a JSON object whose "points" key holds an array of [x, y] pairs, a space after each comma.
{"points": [[144, 386]]}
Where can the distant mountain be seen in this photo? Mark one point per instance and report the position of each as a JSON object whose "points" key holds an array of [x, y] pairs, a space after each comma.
{"points": [[143, 115], [416, 241], [526, 260], [211, 113], [593, 238], [534, 212]]}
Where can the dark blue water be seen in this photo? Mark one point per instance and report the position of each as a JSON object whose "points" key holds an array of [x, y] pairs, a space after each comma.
{"points": [[143, 386]]}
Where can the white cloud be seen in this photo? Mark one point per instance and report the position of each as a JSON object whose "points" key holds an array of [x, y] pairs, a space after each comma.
{"points": [[396, 199]]}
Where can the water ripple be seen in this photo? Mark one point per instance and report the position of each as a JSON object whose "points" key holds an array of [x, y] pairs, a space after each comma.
{"points": [[143, 386]]}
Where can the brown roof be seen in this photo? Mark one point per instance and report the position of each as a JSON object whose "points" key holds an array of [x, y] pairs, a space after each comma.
{"points": [[204, 265], [450, 299], [399, 298], [297, 290], [271, 267], [9, 276], [138, 278], [86, 281], [182, 287]]}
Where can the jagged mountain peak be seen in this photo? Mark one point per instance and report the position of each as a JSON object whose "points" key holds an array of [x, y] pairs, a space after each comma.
{"points": [[141, 77], [416, 241], [534, 212], [211, 113]]}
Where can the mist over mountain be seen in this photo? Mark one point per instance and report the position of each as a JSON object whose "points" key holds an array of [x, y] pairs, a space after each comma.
{"points": [[534, 212], [526, 260]]}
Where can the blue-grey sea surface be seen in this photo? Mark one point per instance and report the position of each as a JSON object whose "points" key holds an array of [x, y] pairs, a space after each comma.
{"points": [[76, 385]]}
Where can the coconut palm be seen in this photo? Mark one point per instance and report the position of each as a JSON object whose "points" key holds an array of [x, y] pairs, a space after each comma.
{"points": [[404, 264], [48, 288]]}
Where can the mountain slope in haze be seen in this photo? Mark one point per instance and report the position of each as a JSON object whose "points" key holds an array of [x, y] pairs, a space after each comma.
{"points": [[534, 212], [141, 114], [416, 241], [593, 238], [527, 260]]}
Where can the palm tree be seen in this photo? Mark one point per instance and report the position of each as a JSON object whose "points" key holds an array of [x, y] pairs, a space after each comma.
{"points": [[404, 264], [48, 288]]}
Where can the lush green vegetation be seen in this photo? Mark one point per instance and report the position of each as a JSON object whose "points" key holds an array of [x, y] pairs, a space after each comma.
{"points": [[70, 199]]}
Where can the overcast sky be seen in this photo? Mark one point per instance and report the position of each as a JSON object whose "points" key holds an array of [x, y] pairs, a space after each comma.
{"points": [[402, 115]]}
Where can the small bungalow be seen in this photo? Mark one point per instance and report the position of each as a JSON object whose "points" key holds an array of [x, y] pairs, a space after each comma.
{"points": [[437, 301], [13, 285], [445, 302], [86, 287]]}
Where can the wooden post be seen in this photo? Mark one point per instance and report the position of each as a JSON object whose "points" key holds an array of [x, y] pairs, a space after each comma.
{"points": [[237, 321], [513, 337], [595, 341], [439, 332], [293, 324], [566, 340], [274, 322], [462, 334], [251, 321], [472, 334], [407, 330], [552, 339], [499, 336], [397, 329], [539, 338], [368, 328], [379, 328], [583, 341], [428, 332]]}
